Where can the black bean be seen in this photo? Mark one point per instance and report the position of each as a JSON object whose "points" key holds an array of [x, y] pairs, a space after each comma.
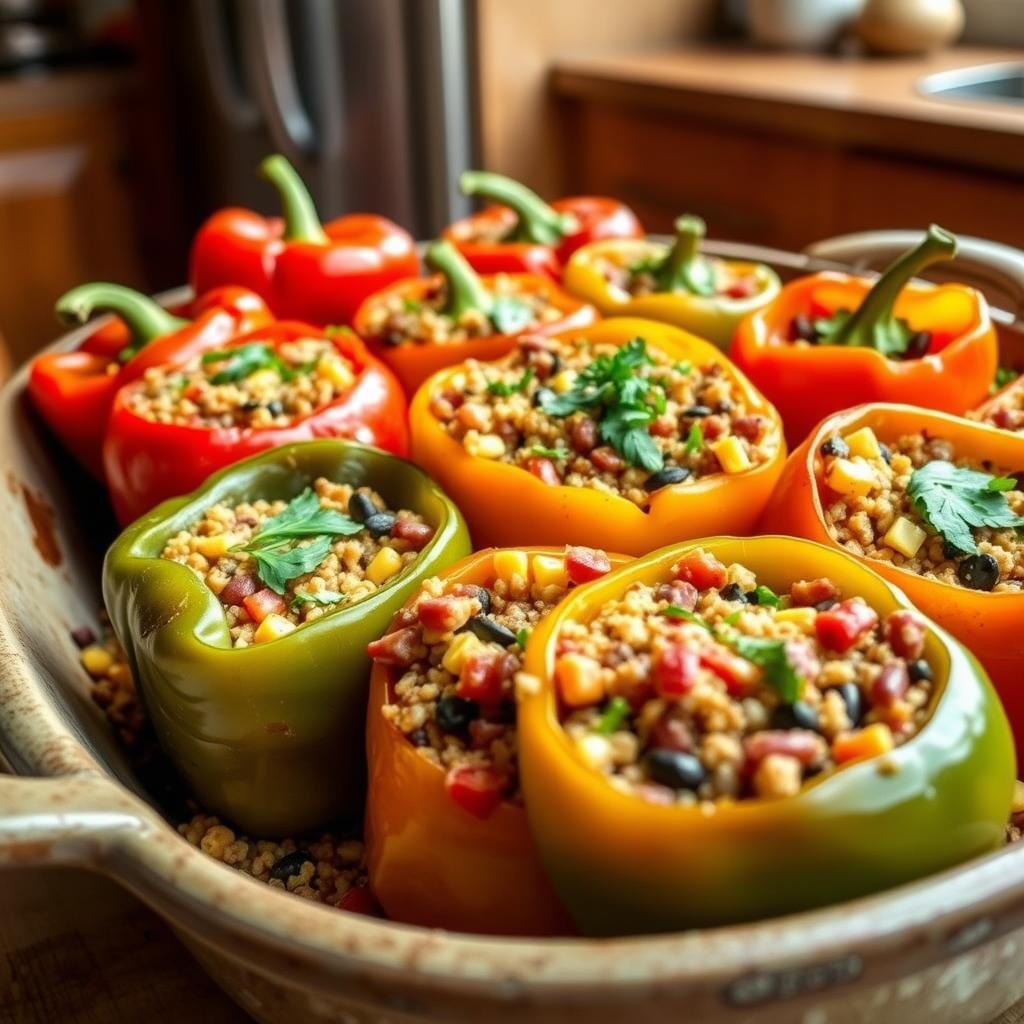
{"points": [[919, 671], [83, 636], [250, 406], [394, 338], [850, 692], [666, 477], [734, 592], [798, 715], [949, 551], [541, 395], [483, 595], [380, 523], [697, 411], [835, 446], [290, 864], [886, 453], [752, 597], [674, 769], [979, 572], [724, 406], [455, 713], [361, 507], [275, 408], [802, 327], [505, 713], [486, 629], [419, 738], [918, 345]]}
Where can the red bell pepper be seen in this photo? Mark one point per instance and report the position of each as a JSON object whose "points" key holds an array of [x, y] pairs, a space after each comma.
{"points": [[74, 391], [146, 461], [523, 233], [305, 270]]}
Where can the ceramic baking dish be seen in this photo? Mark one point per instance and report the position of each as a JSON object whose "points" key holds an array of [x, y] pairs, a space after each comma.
{"points": [[947, 950]]}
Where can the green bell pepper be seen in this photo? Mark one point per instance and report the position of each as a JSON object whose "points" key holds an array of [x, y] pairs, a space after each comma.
{"points": [[269, 736]]}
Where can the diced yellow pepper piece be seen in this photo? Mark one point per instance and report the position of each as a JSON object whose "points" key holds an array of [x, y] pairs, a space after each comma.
{"points": [[550, 571], [562, 382], [96, 660], [731, 454], [459, 649], [383, 566], [336, 371], [263, 378], [851, 479], [483, 446], [802, 618], [905, 537], [215, 546], [579, 680], [272, 627], [863, 443], [509, 564]]}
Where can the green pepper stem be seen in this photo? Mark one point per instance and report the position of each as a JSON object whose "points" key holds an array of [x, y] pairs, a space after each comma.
{"points": [[685, 252], [877, 306], [465, 289], [538, 222], [301, 222], [145, 319]]}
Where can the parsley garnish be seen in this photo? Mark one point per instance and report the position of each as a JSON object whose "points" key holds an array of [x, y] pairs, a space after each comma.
{"points": [[503, 390], [509, 314], [411, 305], [673, 611], [627, 403], [956, 501], [324, 597], [771, 656], [1004, 375], [767, 597], [613, 716], [244, 360], [549, 453], [522, 637], [694, 439]]}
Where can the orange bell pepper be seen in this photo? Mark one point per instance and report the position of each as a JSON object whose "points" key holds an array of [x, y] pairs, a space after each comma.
{"points": [[431, 862], [507, 505], [413, 360], [989, 624], [945, 335]]}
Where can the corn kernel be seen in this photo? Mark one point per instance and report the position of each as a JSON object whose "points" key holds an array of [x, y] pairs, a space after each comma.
{"points": [[272, 627], [459, 649], [263, 378], [336, 371], [383, 566], [731, 454], [509, 564], [562, 382], [802, 618], [851, 479], [96, 660], [216, 546], [594, 750], [863, 443], [550, 571], [905, 537], [483, 446], [579, 680]]}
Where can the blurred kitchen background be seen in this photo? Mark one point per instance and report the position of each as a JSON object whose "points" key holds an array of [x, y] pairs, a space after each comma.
{"points": [[123, 124]]}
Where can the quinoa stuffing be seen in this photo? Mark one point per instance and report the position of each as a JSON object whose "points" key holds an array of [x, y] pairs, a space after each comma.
{"points": [[277, 565], [400, 320], [458, 647], [251, 385], [709, 686], [627, 420], [1006, 412], [913, 502]]}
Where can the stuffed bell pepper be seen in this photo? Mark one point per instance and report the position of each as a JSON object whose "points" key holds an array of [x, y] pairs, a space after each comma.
{"points": [[935, 504], [282, 383], [675, 284], [833, 340], [304, 269], [421, 325], [1004, 409], [245, 609], [624, 436], [741, 728], [447, 840], [520, 233], [74, 390]]}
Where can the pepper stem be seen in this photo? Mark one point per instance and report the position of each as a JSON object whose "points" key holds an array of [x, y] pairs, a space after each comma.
{"points": [[465, 289], [145, 318], [538, 222], [301, 222], [876, 309], [685, 269]]}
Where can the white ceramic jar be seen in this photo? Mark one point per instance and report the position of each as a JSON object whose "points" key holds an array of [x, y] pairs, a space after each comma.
{"points": [[800, 24]]}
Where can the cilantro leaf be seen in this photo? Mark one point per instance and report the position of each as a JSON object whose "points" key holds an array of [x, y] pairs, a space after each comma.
{"points": [[767, 597], [549, 453], [245, 360], [304, 516], [503, 390], [1004, 375], [771, 656], [673, 611], [277, 566], [613, 716], [956, 501], [509, 314], [323, 597], [694, 439], [522, 637]]}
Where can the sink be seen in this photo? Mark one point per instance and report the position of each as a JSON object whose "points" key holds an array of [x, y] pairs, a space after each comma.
{"points": [[988, 83]]}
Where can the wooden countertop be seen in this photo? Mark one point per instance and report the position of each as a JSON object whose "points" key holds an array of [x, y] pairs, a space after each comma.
{"points": [[840, 99]]}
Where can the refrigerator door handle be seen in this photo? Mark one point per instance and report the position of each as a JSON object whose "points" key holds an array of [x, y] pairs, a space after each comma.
{"points": [[221, 72]]}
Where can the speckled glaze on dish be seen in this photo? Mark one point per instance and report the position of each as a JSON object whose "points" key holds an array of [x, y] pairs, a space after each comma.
{"points": [[947, 950]]}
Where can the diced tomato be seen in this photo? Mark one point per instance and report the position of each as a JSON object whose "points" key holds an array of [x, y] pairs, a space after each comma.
{"points": [[263, 603], [713, 427], [807, 747], [802, 658], [680, 594], [359, 900], [750, 427], [905, 632], [891, 685], [544, 470], [483, 676], [675, 670], [586, 564], [809, 593], [401, 648], [701, 569], [738, 674], [238, 588], [476, 788], [742, 288], [446, 613], [840, 627], [416, 535], [670, 733]]}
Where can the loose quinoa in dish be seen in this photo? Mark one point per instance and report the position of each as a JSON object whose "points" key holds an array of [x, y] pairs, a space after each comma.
{"points": [[915, 503], [454, 654], [342, 544], [708, 686], [399, 320], [627, 420], [252, 385]]}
